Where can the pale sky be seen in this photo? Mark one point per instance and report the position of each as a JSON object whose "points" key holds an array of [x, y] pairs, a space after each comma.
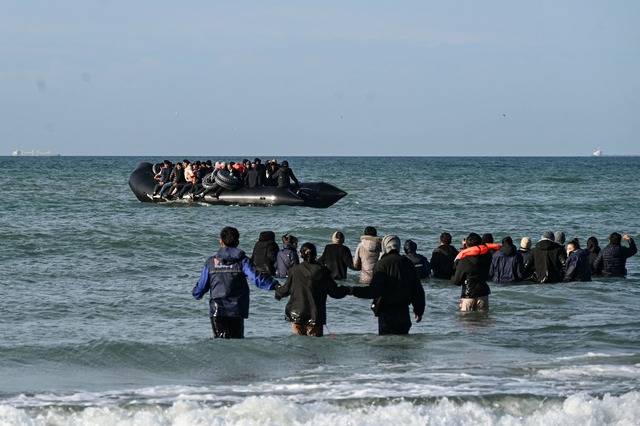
{"points": [[288, 78]]}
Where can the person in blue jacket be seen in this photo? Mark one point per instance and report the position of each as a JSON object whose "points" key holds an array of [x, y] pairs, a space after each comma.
{"points": [[225, 275], [577, 267], [507, 265]]}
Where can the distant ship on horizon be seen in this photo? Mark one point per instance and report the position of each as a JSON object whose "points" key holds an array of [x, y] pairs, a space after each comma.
{"points": [[597, 153], [33, 153]]}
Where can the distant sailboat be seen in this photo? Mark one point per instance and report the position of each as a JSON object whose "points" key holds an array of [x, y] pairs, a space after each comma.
{"points": [[597, 153]]}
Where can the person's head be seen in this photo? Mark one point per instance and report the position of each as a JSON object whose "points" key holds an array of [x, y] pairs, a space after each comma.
{"points": [[290, 239], [487, 238], [525, 243], [257, 161], [371, 231], [308, 252], [267, 236], [592, 244], [507, 241], [615, 239], [390, 243], [229, 237], [473, 240], [410, 247], [285, 163], [559, 237], [166, 163], [337, 237], [548, 235], [445, 238], [185, 162], [573, 245]]}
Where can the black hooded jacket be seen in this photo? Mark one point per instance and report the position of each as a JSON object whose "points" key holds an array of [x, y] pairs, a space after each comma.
{"points": [[546, 262], [507, 265], [265, 253], [472, 273], [308, 285], [442, 260], [337, 257]]}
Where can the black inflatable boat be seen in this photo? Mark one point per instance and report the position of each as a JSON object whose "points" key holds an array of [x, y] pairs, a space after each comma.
{"points": [[306, 194]]}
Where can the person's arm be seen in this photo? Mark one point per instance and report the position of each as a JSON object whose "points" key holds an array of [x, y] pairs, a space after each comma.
{"points": [[373, 290], [418, 299], [202, 286], [459, 276], [333, 289], [284, 290], [572, 267], [347, 258], [293, 177], [357, 265], [265, 282], [632, 246], [597, 264]]}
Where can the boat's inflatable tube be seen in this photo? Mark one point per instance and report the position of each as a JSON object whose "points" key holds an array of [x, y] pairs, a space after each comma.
{"points": [[306, 194]]}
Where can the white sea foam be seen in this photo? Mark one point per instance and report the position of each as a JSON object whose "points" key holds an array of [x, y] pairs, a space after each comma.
{"points": [[580, 409]]}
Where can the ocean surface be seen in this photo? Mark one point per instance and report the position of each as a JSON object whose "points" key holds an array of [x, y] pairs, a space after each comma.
{"points": [[98, 326]]}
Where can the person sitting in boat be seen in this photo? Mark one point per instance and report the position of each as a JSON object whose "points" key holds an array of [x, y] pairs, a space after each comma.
{"points": [[271, 169], [193, 179], [176, 181], [162, 177], [285, 175], [254, 177], [423, 267], [288, 256]]}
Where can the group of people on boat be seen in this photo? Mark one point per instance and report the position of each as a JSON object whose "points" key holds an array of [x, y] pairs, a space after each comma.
{"points": [[196, 179], [391, 279]]}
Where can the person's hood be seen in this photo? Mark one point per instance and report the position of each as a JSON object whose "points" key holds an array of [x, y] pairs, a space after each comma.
{"points": [[593, 247], [288, 246], [390, 243], [508, 249], [267, 236], [310, 271], [370, 243], [229, 255], [448, 249]]}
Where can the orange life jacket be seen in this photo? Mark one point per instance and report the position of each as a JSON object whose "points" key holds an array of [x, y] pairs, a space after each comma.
{"points": [[477, 250]]}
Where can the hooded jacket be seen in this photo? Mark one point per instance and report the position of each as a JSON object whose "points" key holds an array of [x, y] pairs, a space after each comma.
{"points": [[577, 266], [224, 276], [546, 262], [472, 273], [394, 286], [594, 251], [337, 257], [308, 285], [265, 253], [442, 260], [507, 265], [612, 259], [366, 256], [286, 258]]}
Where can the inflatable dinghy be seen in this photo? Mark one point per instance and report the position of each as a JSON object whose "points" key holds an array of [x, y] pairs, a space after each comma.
{"points": [[305, 194]]}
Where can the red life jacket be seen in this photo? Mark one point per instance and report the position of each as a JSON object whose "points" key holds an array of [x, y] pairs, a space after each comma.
{"points": [[477, 250]]}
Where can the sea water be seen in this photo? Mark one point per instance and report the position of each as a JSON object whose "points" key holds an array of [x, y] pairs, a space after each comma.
{"points": [[98, 325]]}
